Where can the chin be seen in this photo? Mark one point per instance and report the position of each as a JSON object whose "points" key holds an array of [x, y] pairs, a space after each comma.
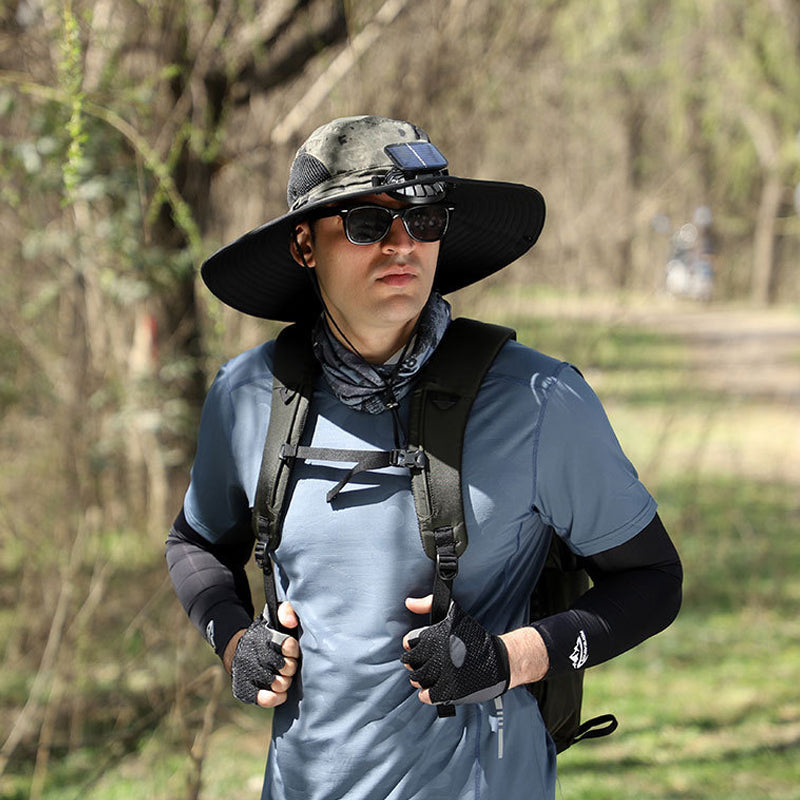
{"points": [[400, 310]]}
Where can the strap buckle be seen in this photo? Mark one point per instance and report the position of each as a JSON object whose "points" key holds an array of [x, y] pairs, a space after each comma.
{"points": [[412, 459], [446, 565], [263, 540], [446, 553], [260, 553], [288, 451]]}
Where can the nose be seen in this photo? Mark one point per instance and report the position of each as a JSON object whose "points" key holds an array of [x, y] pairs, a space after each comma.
{"points": [[397, 239]]}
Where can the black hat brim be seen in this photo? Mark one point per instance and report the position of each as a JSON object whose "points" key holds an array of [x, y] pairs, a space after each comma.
{"points": [[493, 224]]}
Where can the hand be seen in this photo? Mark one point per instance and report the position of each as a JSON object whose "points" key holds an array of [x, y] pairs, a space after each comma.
{"points": [[455, 661], [265, 660]]}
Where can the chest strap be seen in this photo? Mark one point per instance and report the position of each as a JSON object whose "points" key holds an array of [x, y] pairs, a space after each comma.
{"points": [[365, 460]]}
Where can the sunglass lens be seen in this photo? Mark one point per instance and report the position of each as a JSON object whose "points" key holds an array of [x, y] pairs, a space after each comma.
{"points": [[426, 223], [368, 225]]}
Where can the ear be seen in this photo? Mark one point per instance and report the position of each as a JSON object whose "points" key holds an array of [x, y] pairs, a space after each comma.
{"points": [[301, 245]]}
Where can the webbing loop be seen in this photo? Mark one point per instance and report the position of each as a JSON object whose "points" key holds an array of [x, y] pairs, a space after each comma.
{"points": [[595, 728]]}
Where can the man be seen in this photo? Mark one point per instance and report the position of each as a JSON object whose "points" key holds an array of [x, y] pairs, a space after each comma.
{"points": [[377, 230]]}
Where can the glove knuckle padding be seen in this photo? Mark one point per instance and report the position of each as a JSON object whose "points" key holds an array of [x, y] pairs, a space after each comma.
{"points": [[459, 661], [257, 660], [458, 652]]}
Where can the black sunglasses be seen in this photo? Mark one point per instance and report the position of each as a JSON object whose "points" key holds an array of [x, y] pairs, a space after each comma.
{"points": [[371, 224]]}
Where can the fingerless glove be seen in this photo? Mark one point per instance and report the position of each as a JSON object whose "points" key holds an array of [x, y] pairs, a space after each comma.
{"points": [[257, 660], [458, 660]]}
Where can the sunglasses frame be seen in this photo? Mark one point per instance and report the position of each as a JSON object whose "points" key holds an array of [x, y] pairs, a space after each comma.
{"points": [[343, 212]]}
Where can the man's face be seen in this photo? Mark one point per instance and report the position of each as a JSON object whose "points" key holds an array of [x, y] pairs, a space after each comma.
{"points": [[370, 287]]}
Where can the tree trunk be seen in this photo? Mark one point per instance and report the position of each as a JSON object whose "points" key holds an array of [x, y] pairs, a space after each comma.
{"points": [[762, 283]]}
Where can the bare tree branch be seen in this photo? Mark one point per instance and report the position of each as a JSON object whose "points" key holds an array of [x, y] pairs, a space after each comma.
{"points": [[43, 682], [201, 67], [263, 31], [339, 67], [289, 56]]}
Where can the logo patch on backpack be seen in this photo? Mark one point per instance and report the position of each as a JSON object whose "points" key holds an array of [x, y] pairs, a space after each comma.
{"points": [[581, 652]]}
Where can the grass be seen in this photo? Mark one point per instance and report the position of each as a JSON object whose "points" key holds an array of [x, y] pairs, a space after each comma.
{"points": [[708, 709]]}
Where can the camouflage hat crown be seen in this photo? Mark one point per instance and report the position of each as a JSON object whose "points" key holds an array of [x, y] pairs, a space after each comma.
{"points": [[369, 152], [492, 223]]}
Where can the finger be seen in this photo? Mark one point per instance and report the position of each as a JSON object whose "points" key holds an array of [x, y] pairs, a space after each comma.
{"points": [[425, 697], [268, 699], [289, 667], [291, 648], [425, 676], [411, 638], [280, 684], [420, 605], [287, 616]]}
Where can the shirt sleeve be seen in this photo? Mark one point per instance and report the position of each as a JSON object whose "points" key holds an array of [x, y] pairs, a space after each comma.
{"points": [[216, 501], [586, 488]]}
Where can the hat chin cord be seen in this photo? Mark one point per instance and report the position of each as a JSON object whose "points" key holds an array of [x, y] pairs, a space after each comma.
{"points": [[391, 401], [312, 277]]}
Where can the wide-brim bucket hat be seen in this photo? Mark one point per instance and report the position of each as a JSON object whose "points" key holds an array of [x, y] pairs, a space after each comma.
{"points": [[492, 223]]}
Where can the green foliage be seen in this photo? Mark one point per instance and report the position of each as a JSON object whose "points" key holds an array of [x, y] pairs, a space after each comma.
{"points": [[71, 79], [721, 527]]}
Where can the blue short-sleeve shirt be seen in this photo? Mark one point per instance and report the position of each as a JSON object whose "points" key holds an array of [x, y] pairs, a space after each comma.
{"points": [[538, 452]]}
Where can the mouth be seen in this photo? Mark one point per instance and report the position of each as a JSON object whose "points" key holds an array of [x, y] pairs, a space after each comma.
{"points": [[398, 276]]}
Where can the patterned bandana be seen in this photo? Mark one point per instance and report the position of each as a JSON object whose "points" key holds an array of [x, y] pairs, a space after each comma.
{"points": [[372, 387]]}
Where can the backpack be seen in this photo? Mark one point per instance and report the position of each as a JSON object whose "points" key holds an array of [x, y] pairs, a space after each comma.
{"points": [[440, 405]]}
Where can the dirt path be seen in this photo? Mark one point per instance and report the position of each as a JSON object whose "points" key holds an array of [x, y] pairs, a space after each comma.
{"points": [[754, 354], [750, 352], [749, 359]]}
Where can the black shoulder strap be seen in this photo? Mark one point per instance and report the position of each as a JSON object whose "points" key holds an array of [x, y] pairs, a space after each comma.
{"points": [[440, 407], [294, 371]]}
